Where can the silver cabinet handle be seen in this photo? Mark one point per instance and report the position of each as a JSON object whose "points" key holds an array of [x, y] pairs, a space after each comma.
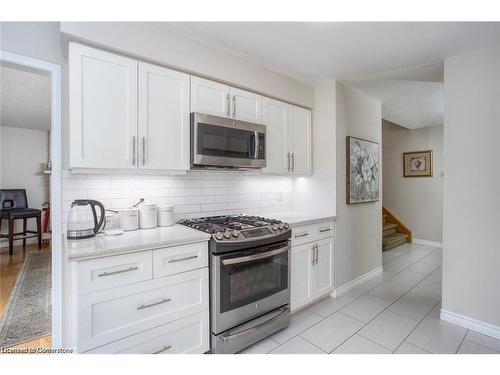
{"points": [[143, 150], [228, 106], [302, 235], [313, 255], [317, 251], [234, 106], [182, 259], [249, 258], [164, 349], [133, 150], [165, 300], [293, 161], [104, 274], [288, 162], [325, 230]]}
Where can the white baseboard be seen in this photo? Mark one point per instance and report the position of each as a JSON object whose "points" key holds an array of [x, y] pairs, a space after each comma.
{"points": [[472, 324], [427, 242], [353, 283]]}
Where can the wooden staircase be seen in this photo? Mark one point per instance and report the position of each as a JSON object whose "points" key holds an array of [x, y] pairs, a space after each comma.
{"points": [[395, 233]]}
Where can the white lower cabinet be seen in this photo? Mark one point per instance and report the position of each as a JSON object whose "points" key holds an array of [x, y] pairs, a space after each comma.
{"points": [[183, 336], [312, 264], [164, 310]]}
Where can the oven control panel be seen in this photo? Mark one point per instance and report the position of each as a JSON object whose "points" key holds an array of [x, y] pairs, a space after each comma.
{"points": [[250, 234]]}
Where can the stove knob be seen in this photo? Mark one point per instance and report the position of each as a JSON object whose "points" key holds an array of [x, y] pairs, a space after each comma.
{"points": [[275, 227], [219, 235], [281, 225], [227, 234], [287, 226], [236, 233]]}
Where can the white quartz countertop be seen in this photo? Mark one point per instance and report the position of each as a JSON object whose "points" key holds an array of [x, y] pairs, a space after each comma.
{"points": [[133, 241], [297, 218]]}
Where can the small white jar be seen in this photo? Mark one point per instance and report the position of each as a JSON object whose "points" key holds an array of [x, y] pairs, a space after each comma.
{"points": [[148, 216], [166, 216], [129, 219]]}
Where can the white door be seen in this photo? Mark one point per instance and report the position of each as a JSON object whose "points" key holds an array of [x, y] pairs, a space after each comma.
{"points": [[302, 288], [275, 120], [163, 118], [103, 109], [246, 106], [323, 269], [300, 139], [209, 97]]}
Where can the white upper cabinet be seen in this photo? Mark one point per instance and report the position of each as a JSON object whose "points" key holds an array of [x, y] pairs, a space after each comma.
{"points": [[299, 140], [210, 97], [221, 100], [246, 106], [103, 109], [275, 120], [163, 118]]}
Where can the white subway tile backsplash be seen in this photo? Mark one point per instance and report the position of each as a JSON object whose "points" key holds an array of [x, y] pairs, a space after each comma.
{"points": [[198, 193]]}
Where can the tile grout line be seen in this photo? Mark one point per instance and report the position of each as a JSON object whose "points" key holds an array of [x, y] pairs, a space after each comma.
{"points": [[461, 342]]}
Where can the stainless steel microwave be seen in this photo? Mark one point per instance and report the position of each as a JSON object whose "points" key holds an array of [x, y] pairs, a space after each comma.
{"points": [[219, 142]]}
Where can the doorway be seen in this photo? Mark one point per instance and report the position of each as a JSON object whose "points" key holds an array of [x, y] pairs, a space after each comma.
{"points": [[30, 183]]}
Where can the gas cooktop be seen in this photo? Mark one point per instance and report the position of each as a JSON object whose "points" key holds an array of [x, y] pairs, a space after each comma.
{"points": [[237, 228]]}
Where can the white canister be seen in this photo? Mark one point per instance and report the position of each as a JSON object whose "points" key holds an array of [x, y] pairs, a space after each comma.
{"points": [[129, 219], [165, 216], [148, 216]]}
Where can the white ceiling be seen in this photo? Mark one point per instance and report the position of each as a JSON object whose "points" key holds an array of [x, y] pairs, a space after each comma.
{"points": [[412, 97], [24, 98], [310, 51]]}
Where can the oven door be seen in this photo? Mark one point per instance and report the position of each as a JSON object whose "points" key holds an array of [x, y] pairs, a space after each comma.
{"points": [[249, 283], [223, 142]]}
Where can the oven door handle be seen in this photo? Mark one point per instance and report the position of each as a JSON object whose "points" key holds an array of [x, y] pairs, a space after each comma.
{"points": [[250, 258], [282, 311], [256, 144]]}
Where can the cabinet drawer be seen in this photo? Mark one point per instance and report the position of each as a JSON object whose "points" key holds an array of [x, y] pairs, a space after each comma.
{"points": [[170, 261], [111, 315], [189, 335], [324, 230], [105, 273], [303, 234]]}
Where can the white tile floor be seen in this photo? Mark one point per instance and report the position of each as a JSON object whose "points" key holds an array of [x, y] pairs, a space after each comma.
{"points": [[397, 312]]}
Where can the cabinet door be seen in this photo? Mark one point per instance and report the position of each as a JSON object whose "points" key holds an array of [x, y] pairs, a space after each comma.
{"points": [[163, 118], [103, 109], [300, 139], [323, 269], [302, 288], [246, 106], [209, 97], [275, 119]]}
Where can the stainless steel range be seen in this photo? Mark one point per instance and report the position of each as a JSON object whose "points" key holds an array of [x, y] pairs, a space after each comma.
{"points": [[250, 278]]}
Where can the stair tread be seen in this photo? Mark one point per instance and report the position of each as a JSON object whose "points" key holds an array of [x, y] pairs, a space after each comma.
{"points": [[393, 237], [388, 226]]}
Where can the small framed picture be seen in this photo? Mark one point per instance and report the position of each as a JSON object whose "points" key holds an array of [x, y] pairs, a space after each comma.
{"points": [[417, 164]]}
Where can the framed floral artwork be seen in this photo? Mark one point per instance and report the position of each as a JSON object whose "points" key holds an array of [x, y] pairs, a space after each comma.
{"points": [[417, 164], [363, 171]]}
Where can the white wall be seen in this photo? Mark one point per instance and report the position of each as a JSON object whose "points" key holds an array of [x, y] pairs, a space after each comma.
{"points": [[416, 201], [471, 255], [358, 233], [24, 153], [157, 43], [316, 193]]}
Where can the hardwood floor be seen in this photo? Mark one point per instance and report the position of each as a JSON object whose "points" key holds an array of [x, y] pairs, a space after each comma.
{"points": [[10, 266]]}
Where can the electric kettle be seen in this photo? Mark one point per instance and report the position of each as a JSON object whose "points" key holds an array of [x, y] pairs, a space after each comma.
{"points": [[83, 221]]}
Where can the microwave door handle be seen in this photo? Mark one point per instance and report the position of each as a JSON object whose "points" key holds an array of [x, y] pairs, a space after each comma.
{"points": [[256, 144], [249, 258]]}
